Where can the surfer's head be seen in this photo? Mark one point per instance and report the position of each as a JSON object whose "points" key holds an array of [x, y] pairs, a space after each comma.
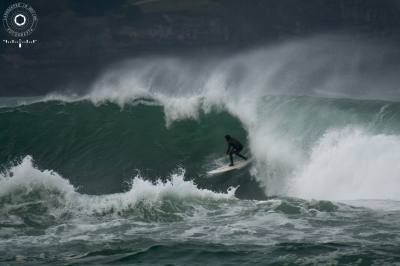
{"points": [[227, 137]]}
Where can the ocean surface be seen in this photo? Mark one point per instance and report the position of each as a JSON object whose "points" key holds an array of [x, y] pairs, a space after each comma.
{"points": [[117, 175]]}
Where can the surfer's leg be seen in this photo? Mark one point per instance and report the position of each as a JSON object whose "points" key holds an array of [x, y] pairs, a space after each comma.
{"points": [[241, 156], [231, 157], [237, 152]]}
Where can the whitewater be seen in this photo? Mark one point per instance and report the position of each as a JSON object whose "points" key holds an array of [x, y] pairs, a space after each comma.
{"points": [[117, 174]]}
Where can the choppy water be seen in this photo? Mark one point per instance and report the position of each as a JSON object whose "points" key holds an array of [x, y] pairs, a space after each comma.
{"points": [[44, 220]]}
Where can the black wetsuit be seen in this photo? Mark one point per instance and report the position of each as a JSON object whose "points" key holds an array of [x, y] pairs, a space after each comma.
{"points": [[234, 147]]}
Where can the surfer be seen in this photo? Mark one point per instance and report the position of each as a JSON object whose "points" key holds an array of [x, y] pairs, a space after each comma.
{"points": [[234, 147]]}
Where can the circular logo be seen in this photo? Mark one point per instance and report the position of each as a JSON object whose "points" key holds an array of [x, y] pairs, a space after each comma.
{"points": [[20, 20]]}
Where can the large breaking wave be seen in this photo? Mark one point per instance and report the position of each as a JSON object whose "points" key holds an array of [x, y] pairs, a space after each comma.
{"points": [[315, 112]]}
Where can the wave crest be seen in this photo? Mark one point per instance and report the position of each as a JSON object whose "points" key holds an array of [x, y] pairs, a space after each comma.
{"points": [[25, 188]]}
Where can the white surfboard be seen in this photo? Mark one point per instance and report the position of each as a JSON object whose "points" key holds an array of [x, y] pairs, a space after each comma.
{"points": [[227, 168]]}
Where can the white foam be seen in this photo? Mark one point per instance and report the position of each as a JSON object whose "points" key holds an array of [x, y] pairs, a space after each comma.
{"points": [[28, 178], [351, 164], [147, 192]]}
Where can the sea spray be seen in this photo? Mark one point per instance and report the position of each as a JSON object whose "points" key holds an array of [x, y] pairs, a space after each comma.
{"points": [[351, 164]]}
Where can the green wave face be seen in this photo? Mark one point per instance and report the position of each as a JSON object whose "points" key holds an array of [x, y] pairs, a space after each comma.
{"points": [[101, 147]]}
